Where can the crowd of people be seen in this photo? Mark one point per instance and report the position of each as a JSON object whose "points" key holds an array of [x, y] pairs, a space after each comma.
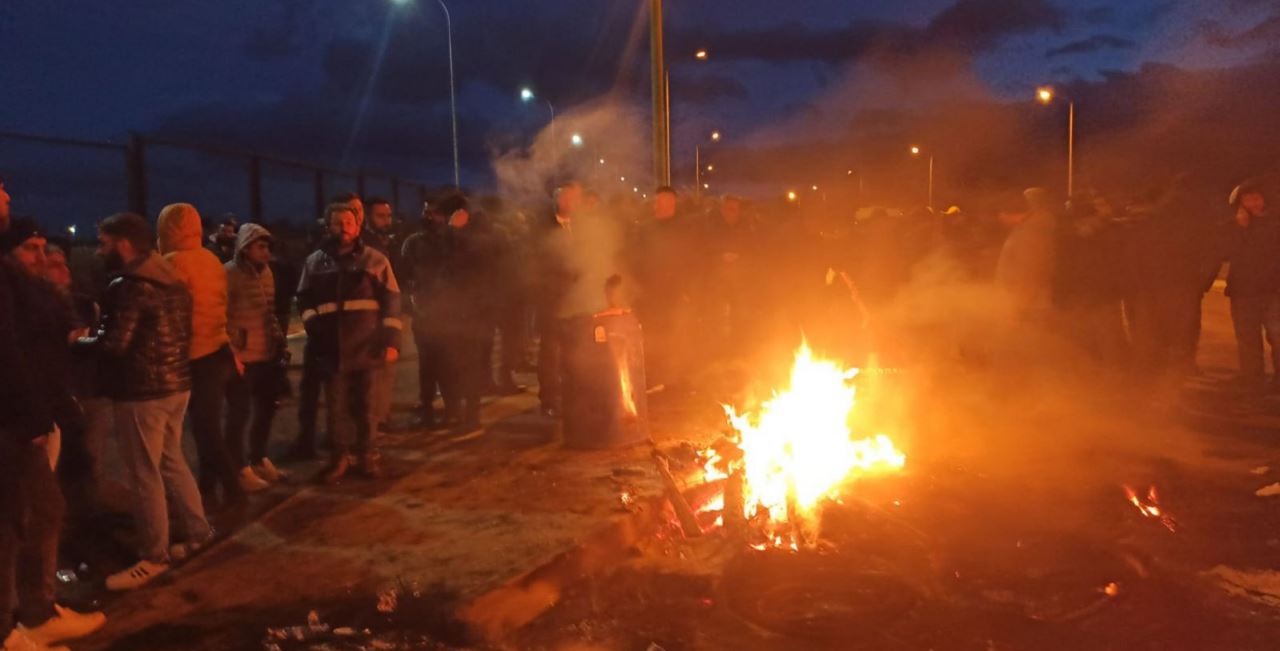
{"points": [[184, 327]]}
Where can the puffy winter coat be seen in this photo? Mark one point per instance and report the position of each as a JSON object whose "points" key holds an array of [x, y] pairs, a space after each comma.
{"points": [[144, 341], [350, 307], [251, 293], [179, 235]]}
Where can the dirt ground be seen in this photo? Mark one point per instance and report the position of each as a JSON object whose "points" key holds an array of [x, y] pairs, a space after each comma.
{"points": [[1003, 532]]}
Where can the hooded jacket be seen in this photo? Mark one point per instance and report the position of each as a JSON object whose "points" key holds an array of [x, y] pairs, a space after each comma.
{"points": [[144, 339], [179, 234], [350, 307], [251, 293]]}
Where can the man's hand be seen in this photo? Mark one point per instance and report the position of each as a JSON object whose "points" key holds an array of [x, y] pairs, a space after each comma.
{"points": [[392, 355], [239, 364]]}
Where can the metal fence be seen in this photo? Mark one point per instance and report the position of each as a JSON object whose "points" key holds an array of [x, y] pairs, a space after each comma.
{"points": [[66, 182]]}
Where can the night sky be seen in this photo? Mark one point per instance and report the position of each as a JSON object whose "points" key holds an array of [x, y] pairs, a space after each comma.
{"points": [[364, 83]]}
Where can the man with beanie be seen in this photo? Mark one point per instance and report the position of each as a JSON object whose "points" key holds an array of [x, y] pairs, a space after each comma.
{"points": [[1253, 282], [179, 232], [350, 307], [258, 342], [34, 325], [143, 345]]}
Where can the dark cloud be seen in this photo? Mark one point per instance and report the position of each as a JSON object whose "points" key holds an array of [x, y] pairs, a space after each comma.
{"points": [[1265, 31], [708, 88], [1092, 44], [1100, 15], [972, 26]]}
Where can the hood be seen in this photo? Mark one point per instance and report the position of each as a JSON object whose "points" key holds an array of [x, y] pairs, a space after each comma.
{"points": [[179, 228], [154, 268], [248, 234]]}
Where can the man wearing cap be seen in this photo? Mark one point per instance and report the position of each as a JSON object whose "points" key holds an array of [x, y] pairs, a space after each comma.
{"points": [[1253, 282], [34, 324]]}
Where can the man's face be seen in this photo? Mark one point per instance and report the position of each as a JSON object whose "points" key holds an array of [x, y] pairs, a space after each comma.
{"points": [[30, 255], [56, 269], [357, 206], [568, 200], [380, 216], [344, 226], [4, 208], [258, 252], [664, 205], [112, 250], [1254, 203]]}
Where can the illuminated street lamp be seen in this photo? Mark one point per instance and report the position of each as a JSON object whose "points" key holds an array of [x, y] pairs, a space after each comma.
{"points": [[915, 151], [698, 186], [700, 55], [1045, 95], [527, 95], [576, 140], [453, 94], [792, 196]]}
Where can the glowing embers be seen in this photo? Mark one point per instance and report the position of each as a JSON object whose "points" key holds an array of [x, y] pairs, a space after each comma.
{"points": [[1150, 507]]}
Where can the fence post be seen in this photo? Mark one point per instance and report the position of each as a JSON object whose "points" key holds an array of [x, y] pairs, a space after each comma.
{"points": [[320, 200], [422, 195], [135, 170], [255, 189]]}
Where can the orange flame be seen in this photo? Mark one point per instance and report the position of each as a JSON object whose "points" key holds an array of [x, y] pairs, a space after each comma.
{"points": [[798, 448], [1150, 507]]}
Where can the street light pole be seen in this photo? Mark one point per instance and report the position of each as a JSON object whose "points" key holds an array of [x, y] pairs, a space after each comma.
{"points": [[658, 74], [1071, 148], [930, 182], [453, 96]]}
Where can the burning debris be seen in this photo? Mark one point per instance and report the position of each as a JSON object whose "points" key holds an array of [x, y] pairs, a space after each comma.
{"points": [[1150, 507]]}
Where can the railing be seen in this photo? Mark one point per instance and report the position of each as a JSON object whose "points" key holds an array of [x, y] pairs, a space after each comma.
{"points": [[64, 181]]}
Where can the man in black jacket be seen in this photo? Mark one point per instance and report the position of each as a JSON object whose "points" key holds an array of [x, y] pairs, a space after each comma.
{"points": [[350, 307], [143, 344], [1253, 283]]}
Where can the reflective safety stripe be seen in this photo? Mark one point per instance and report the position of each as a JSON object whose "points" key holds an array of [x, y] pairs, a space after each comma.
{"points": [[307, 315], [392, 323], [357, 305]]}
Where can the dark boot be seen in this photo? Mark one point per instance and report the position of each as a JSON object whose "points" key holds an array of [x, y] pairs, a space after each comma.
{"points": [[337, 469], [370, 466]]}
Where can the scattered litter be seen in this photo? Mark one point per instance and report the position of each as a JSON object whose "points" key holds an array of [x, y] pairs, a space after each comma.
{"points": [[1269, 490], [1261, 586], [314, 623], [653, 646], [1261, 470], [1112, 589], [388, 600], [66, 576], [344, 631]]}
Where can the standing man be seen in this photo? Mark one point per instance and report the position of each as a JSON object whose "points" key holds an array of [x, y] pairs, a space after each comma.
{"points": [[555, 278], [34, 325], [350, 305], [467, 297], [258, 342], [1253, 283], [423, 260], [144, 346], [380, 234], [213, 364]]}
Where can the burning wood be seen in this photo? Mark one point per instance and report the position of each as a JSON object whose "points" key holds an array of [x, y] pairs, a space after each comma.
{"points": [[688, 520], [1150, 507]]}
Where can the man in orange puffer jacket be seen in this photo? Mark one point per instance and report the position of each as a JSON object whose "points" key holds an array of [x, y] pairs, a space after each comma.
{"points": [[181, 239]]}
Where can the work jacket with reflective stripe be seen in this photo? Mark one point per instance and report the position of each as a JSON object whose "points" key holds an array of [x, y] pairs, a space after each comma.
{"points": [[350, 306]]}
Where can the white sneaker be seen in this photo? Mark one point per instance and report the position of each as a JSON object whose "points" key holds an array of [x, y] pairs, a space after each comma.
{"points": [[66, 625], [19, 640], [137, 576], [250, 482], [270, 472]]}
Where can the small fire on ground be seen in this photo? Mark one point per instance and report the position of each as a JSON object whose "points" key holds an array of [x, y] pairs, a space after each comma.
{"points": [[798, 450]]}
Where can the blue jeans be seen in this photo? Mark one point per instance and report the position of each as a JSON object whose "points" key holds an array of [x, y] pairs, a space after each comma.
{"points": [[150, 436]]}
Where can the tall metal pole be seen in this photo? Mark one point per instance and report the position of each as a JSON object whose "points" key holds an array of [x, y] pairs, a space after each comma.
{"points": [[697, 170], [661, 124], [930, 182], [453, 97], [1071, 149]]}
